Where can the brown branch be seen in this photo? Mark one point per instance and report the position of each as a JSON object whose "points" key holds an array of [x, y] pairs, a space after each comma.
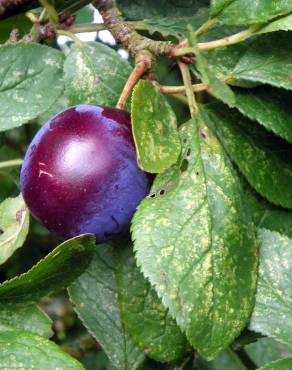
{"points": [[125, 34]]}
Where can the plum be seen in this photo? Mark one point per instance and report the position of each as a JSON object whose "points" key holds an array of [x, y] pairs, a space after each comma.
{"points": [[80, 173]]}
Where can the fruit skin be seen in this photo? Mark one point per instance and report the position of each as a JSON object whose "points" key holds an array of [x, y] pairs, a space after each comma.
{"points": [[80, 173]]}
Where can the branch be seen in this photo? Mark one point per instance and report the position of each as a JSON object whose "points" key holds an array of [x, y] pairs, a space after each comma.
{"points": [[125, 34], [181, 89], [221, 43]]}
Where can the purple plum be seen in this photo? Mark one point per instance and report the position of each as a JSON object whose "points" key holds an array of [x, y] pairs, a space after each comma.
{"points": [[80, 173]]}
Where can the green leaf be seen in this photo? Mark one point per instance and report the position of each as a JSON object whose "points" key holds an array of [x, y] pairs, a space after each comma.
{"points": [[241, 12], [94, 295], [173, 26], [70, 6], [227, 359], [19, 22], [94, 74], [274, 292], [20, 349], [14, 225], [285, 364], [195, 243], [218, 5], [142, 9], [280, 24], [154, 129], [85, 15], [266, 215], [267, 60], [54, 273], [268, 106], [266, 350], [257, 154], [26, 316], [145, 318], [217, 87], [223, 61], [31, 82]]}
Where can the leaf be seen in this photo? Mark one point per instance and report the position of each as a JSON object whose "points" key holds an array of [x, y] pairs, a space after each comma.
{"points": [[94, 74], [70, 6], [174, 26], [144, 316], [14, 225], [227, 359], [267, 60], [195, 244], [26, 316], [266, 215], [274, 293], [142, 9], [54, 273], [268, 106], [241, 12], [223, 61], [84, 15], [285, 364], [217, 88], [266, 350], [218, 5], [154, 129], [20, 349], [94, 295], [19, 22], [31, 82], [283, 23], [263, 160]]}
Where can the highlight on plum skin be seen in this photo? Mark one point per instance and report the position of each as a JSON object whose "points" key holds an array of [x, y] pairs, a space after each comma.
{"points": [[80, 173]]}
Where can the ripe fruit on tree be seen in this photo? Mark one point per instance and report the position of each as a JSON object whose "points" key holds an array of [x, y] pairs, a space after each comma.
{"points": [[80, 173]]}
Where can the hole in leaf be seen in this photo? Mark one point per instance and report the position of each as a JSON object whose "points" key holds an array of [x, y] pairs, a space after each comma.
{"points": [[1, 231], [189, 152], [3, 276], [162, 191], [184, 165]]}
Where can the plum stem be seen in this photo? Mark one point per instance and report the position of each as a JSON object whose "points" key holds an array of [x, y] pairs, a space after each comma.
{"points": [[181, 89], [12, 163], [142, 66], [186, 75]]}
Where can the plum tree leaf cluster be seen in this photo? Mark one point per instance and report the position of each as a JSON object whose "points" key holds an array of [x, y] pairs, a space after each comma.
{"points": [[202, 278]]}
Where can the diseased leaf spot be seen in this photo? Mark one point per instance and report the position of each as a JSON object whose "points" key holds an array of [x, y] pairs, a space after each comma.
{"points": [[162, 192], [203, 133], [152, 195], [184, 165], [1, 231], [189, 151], [19, 216]]}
